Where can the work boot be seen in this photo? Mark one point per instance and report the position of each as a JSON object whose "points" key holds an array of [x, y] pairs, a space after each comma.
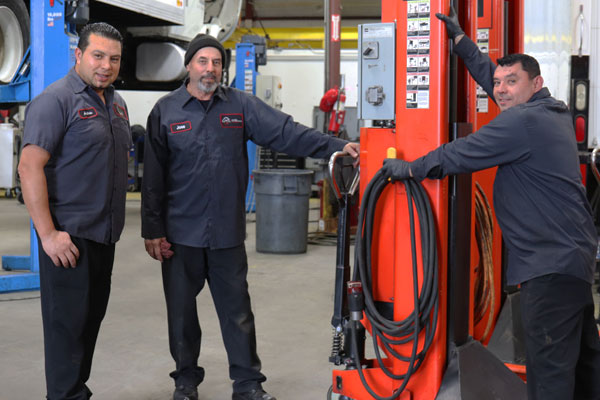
{"points": [[256, 394], [183, 392]]}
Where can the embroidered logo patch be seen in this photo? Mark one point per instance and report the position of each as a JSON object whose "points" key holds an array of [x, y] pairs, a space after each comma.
{"points": [[232, 120], [120, 111], [179, 127], [86, 113]]}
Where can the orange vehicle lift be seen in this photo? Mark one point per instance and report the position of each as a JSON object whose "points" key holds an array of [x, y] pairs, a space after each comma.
{"points": [[430, 302]]}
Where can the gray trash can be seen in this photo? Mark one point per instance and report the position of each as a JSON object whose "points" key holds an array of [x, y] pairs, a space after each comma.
{"points": [[282, 197]]}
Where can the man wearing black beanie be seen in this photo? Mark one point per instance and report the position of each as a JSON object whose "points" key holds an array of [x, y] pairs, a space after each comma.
{"points": [[193, 208], [200, 41]]}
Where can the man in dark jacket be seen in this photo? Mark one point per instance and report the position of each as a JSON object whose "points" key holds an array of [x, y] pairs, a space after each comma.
{"points": [[193, 212], [543, 212]]}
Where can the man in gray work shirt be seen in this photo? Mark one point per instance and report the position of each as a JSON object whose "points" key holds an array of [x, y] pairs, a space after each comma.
{"points": [[543, 212], [193, 214], [73, 172]]}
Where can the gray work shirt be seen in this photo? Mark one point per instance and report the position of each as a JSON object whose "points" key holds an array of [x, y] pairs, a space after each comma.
{"points": [[196, 163], [539, 198], [88, 142]]}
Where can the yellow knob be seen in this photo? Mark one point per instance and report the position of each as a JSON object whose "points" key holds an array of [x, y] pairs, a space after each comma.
{"points": [[391, 152]]}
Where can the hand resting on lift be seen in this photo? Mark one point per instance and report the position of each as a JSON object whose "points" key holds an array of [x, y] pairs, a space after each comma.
{"points": [[396, 169], [452, 25]]}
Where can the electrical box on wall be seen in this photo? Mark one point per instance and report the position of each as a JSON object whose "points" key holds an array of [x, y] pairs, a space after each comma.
{"points": [[377, 71], [268, 89]]}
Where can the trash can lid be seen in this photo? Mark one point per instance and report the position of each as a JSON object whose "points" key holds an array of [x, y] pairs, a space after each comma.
{"points": [[282, 171]]}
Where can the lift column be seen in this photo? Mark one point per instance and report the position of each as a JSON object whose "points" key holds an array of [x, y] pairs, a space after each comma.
{"points": [[487, 29], [403, 90], [52, 54]]}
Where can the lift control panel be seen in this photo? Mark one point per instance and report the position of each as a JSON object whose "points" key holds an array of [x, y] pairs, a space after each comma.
{"points": [[377, 72]]}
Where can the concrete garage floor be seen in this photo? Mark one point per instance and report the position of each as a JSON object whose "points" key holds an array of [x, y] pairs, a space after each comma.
{"points": [[292, 300]]}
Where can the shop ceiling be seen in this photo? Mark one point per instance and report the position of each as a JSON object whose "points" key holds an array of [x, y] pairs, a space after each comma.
{"points": [[308, 10], [300, 23]]}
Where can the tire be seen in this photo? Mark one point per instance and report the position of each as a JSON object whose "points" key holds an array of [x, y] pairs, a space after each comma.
{"points": [[14, 37]]}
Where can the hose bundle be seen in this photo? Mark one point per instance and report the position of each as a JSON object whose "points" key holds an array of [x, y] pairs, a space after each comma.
{"points": [[485, 297], [424, 316]]}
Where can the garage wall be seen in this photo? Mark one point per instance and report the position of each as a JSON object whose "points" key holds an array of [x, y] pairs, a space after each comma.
{"points": [[302, 78], [548, 38]]}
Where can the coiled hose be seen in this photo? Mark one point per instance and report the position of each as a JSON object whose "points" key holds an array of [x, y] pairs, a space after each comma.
{"points": [[425, 314], [485, 296]]}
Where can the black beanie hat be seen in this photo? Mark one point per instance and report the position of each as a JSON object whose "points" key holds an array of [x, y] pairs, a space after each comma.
{"points": [[203, 40]]}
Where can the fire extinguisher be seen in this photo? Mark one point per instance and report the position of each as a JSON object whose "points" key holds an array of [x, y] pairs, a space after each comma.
{"points": [[333, 102]]}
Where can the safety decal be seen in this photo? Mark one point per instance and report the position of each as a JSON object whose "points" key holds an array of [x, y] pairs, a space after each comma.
{"points": [[417, 53], [232, 120], [483, 42], [52, 16], [120, 111], [86, 113], [179, 127]]}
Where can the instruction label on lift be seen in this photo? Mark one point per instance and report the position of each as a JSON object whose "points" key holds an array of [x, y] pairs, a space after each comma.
{"points": [[52, 16], [417, 53], [483, 41]]}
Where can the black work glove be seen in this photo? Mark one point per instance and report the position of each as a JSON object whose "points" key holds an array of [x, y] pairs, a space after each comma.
{"points": [[451, 21], [395, 169]]}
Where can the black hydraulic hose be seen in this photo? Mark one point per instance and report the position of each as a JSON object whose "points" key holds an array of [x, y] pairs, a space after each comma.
{"points": [[425, 314]]}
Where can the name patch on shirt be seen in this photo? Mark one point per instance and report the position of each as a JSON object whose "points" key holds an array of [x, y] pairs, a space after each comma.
{"points": [[179, 127], [232, 120], [86, 113], [120, 111]]}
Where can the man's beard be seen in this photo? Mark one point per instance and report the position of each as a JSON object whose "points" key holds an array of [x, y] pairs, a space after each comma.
{"points": [[208, 88]]}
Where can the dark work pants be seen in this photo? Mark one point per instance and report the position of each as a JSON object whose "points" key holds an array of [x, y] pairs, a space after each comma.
{"points": [[561, 339], [225, 270], [74, 302]]}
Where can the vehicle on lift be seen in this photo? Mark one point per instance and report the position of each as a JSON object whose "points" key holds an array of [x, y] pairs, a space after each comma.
{"points": [[14, 37]]}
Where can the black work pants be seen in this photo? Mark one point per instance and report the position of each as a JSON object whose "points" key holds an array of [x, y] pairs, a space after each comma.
{"points": [[74, 302], [225, 270], [561, 339]]}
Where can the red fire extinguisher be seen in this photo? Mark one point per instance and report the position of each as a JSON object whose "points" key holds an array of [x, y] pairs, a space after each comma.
{"points": [[333, 102]]}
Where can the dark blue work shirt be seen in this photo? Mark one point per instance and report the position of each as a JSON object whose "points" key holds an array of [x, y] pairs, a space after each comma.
{"points": [[196, 163], [88, 142], [539, 198]]}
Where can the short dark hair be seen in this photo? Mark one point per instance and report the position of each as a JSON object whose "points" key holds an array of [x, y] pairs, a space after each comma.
{"points": [[98, 28], [529, 64]]}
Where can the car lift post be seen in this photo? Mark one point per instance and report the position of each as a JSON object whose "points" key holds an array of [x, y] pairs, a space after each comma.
{"points": [[53, 43]]}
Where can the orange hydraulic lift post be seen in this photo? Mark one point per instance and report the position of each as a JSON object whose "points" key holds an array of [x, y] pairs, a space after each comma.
{"points": [[500, 30], [515, 36], [484, 22], [420, 126], [496, 26], [486, 262], [404, 90]]}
